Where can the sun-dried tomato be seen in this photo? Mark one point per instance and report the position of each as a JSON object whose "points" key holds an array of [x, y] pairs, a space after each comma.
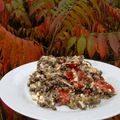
{"points": [[80, 75], [64, 97], [69, 75], [104, 85], [73, 65], [78, 85]]}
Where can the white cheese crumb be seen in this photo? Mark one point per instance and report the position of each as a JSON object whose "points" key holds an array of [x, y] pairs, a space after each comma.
{"points": [[82, 104], [92, 84], [37, 75], [35, 97], [109, 90], [75, 75], [41, 99]]}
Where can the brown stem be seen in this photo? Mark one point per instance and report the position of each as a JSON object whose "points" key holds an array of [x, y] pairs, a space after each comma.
{"points": [[52, 42]]}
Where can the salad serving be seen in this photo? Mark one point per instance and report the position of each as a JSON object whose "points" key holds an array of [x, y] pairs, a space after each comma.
{"points": [[70, 81]]}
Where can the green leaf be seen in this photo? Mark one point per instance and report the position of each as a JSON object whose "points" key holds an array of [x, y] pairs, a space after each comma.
{"points": [[81, 12], [86, 8], [94, 2], [71, 42], [36, 5], [73, 15], [65, 3], [39, 4], [20, 13], [91, 45], [67, 23], [81, 45]]}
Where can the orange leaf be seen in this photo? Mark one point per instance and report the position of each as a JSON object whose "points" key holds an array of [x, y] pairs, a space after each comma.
{"points": [[114, 43], [100, 28], [77, 31], [17, 51], [47, 24], [1, 70], [102, 46], [91, 45], [4, 16], [6, 50]]}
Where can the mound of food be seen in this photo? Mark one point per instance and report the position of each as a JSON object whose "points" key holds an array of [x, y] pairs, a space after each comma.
{"points": [[69, 81]]}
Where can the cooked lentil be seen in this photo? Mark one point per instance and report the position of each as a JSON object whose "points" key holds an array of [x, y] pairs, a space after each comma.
{"points": [[69, 81]]}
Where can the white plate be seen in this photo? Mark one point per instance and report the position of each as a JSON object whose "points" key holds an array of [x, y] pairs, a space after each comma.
{"points": [[14, 92]]}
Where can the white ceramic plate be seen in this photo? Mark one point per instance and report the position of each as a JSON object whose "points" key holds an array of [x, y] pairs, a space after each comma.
{"points": [[14, 92]]}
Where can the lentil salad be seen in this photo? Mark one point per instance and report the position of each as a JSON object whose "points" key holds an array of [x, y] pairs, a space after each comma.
{"points": [[70, 81]]}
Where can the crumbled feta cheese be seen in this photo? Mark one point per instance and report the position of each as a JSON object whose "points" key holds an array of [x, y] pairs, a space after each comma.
{"points": [[32, 86], [75, 76], [35, 97], [37, 75], [92, 84], [41, 99], [82, 104]]}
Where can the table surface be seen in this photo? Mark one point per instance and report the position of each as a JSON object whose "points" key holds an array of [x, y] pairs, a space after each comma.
{"points": [[115, 118]]}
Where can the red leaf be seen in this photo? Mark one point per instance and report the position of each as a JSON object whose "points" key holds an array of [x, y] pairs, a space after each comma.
{"points": [[9, 110], [4, 16], [12, 53], [50, 5], [91, 45], [30, 2], [55, 24], [42, 29], [77, 31], [1, 6], [6, 50], [100, 28], [20, 51], [1, 70], [17, 51], [114, 43], [102, 46]]}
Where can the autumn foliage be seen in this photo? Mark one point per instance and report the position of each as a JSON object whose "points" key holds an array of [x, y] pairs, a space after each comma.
{"points": [[32, 28], [60, 28], [15, 51]]}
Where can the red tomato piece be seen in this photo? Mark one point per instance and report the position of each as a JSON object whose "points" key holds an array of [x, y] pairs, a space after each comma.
{"points": [[76, 69], [104, 85], [64, 97], [80, 75], [78, 85], [69, 75], [72, 65]]}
